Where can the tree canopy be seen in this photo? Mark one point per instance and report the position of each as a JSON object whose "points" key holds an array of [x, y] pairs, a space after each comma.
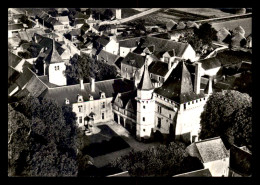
{"points": [[42, 139], [226, 114], [85, 67], [161, 160]]}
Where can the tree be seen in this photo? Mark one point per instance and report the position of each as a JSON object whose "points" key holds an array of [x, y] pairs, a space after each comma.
{"points": [[206, 33], [108, 14], [161, 160], [45, 142], [85, 67], [219, 115]]}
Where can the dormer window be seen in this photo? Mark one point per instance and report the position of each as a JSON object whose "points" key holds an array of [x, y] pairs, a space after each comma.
{"points": [[80, 98], [91, 97], [102, 95], [67, 101], [166, 59]]}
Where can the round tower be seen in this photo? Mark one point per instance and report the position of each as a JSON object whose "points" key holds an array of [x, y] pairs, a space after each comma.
{"points": [[145, 106]]}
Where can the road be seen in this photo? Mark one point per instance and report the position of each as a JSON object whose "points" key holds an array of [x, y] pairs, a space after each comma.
{"points": [[131, 18]]}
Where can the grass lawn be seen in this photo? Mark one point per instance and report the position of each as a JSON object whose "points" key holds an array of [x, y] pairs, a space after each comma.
{"points": [[104, 142]]}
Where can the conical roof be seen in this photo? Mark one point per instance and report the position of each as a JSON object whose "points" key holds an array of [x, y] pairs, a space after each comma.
{"points": [[53, 56], [145, 83]]}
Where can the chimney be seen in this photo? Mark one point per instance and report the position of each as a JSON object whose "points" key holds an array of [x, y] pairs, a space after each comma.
{"points": [[81, 84], [92, 84], [210, 85], [197, 78]]}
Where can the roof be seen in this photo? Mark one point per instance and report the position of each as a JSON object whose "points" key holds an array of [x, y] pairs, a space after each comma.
{"points": [[63, 19], [13, 59], [170, 24], [46, 42], [230, 57], [123, 98], [158, 68], [118, 62], [240, 30], [35, 86], [53, 56], [103, 40], [210, 63], [79, 21], [109, 87], [223, 33], [129, 43], [240, 161], [122, 174], [45, 80], [178, 86], [181, 31], [164, 45], [15, 26], [75, 32], [236, 39], [196, 173], [145, 83], [12, 75], [108, 57], [133, 59], [24, 77], [181, 25], [208, 150], [191, 24]]}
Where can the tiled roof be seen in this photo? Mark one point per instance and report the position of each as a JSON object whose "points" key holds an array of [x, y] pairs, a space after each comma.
{"points": [[108, 57], [158, 68], [103, 40], [240, 161], [229, 57], [163, 45], [45, 80], [12, 75], [63, 19], [53, 56], [13, 59], [196, 173], [170, 24], [79, 21], [25, 76], [223, 33], [15, 26], [125, 97], [35, 86], [133, 59], [145, 82], [210, 63], [110, 87], [75, 32], [45, 42], [129, 43], [178, 86], [212, 149]]}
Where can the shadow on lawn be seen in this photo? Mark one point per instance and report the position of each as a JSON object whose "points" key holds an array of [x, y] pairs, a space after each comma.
{"points": [[105, 146]]}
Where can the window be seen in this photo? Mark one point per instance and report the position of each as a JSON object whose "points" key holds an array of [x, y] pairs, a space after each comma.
{"points": [[80, 119], [159, 109], [143, 118], [103, 115], [170, 116], [80, 108], [144, 107], [159, 122], [159, 78], [57, 68], [185, 105], [103, 105], [144, 130]]}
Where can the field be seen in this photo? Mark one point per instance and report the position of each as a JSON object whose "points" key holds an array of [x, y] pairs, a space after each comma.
{"points": [[246, 23]]}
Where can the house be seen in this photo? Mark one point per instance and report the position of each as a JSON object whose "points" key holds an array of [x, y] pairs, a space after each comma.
{"points": [[196, 173], [64, 20], [108, 44], [78, 22], [240, 162], [13, 29], [128, 45], [213, 155], [167, 50], [222, 34], [89, 98], [49, 21], [108, 58], [170, 25], [176, 34]]}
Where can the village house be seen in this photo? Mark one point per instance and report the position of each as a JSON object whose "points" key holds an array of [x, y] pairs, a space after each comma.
{"points": [[213, 155]]}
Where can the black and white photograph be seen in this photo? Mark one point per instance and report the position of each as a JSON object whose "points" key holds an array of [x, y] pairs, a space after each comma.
{"points": [[130, 92]]}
